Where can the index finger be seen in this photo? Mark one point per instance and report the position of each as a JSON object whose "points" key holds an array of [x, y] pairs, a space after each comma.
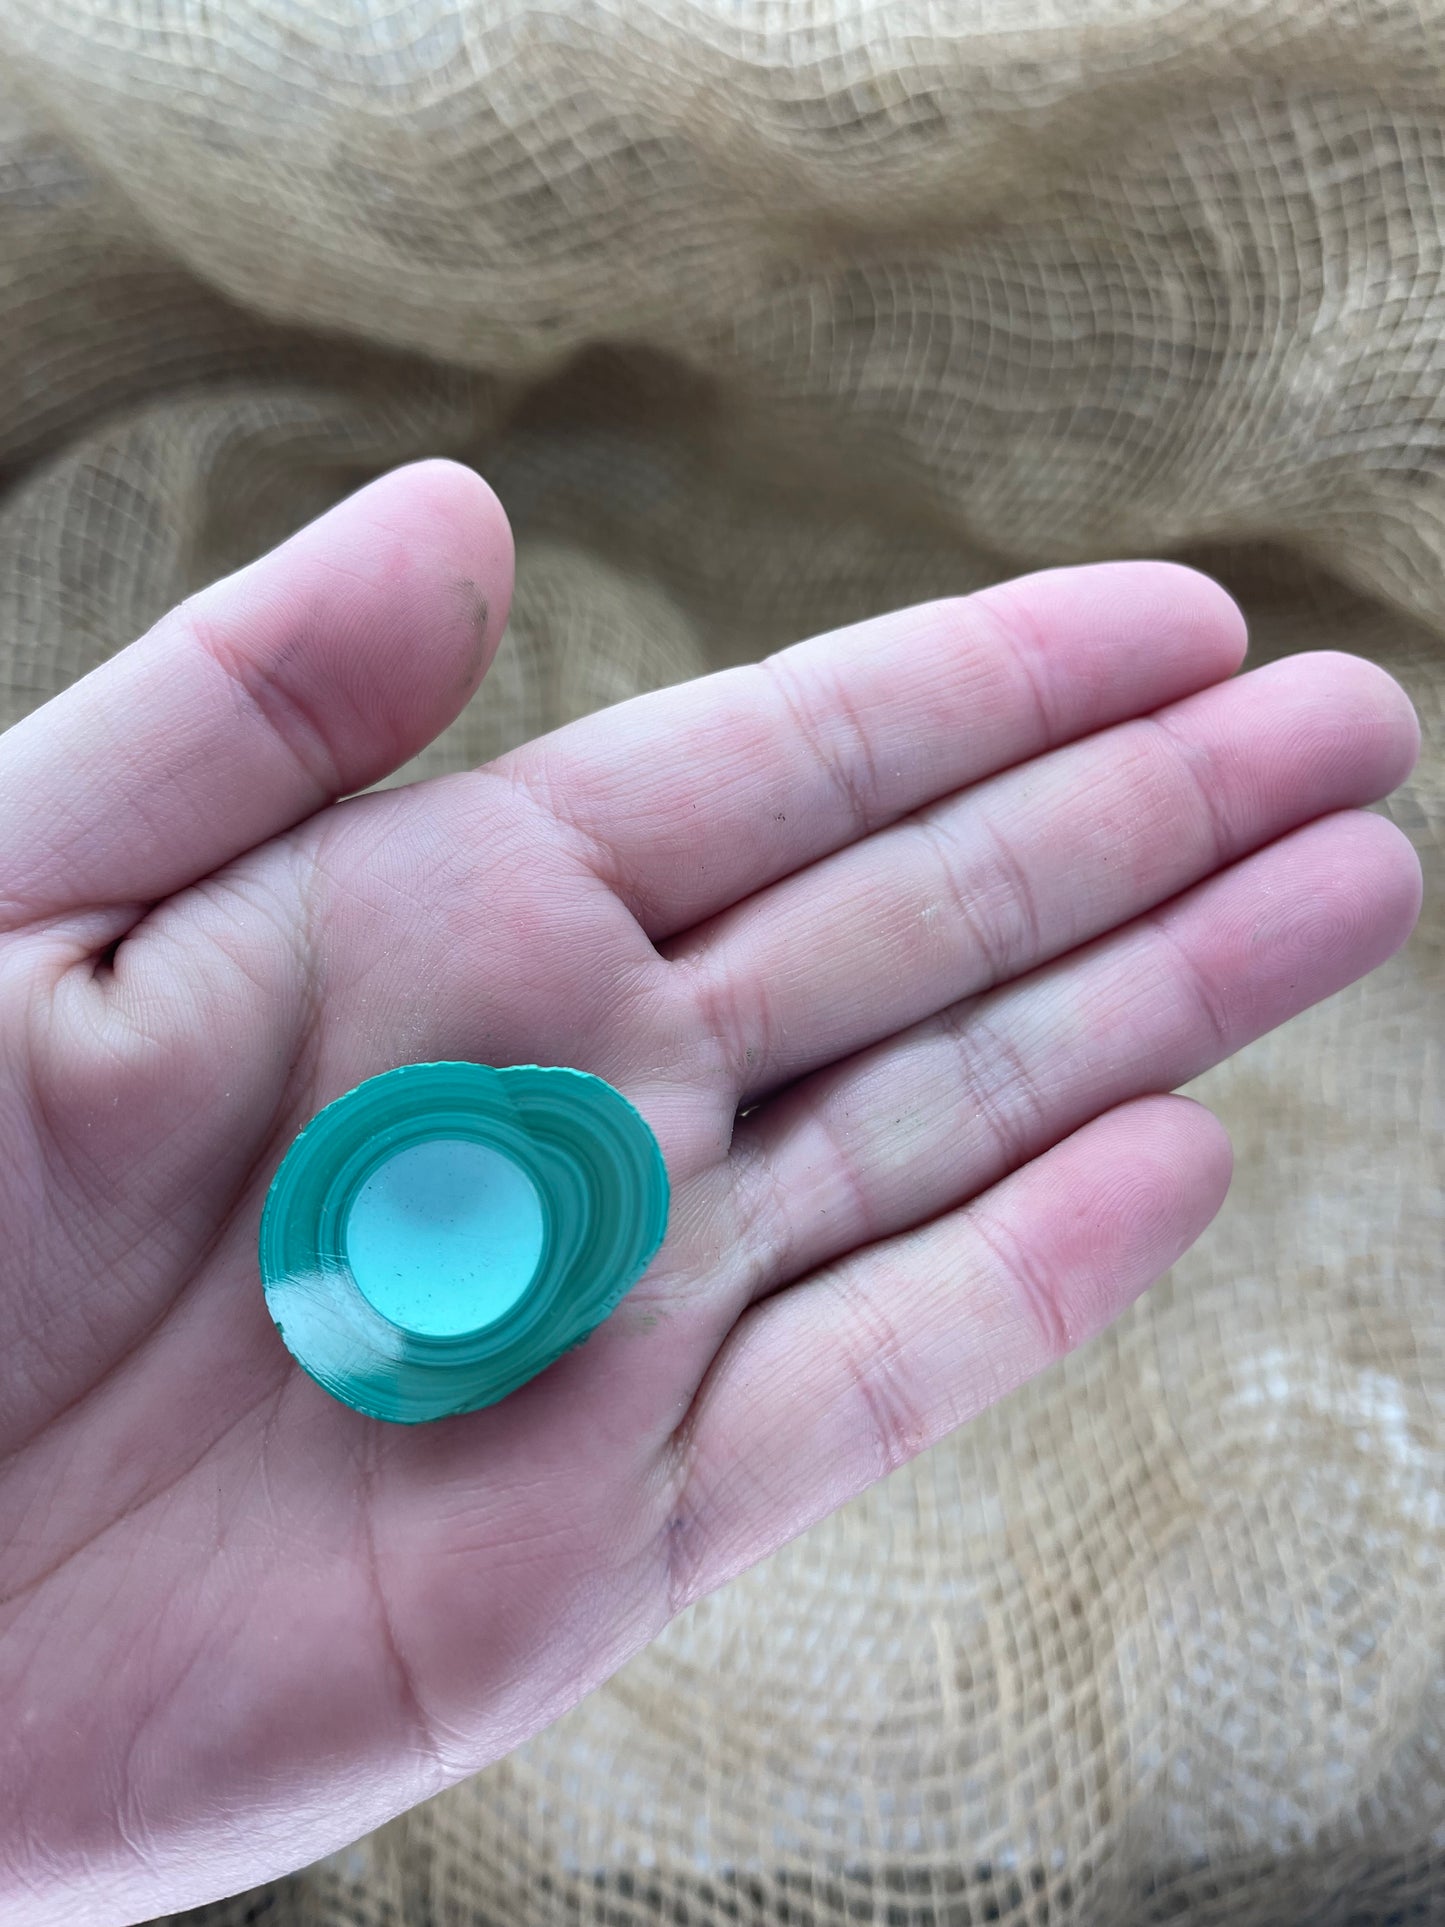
{"points": [[689, 799]]}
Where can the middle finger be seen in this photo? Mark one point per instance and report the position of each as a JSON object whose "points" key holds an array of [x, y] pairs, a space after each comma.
{"points": [[983, 886]]}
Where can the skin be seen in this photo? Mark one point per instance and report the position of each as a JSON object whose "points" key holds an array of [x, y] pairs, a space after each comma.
{"points": [[899, 941]]}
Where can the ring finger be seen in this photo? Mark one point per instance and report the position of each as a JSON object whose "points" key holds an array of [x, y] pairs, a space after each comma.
{"points": [[925, 1120]]}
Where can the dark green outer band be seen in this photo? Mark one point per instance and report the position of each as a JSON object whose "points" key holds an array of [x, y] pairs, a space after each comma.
{"points": [[604, 1189]]}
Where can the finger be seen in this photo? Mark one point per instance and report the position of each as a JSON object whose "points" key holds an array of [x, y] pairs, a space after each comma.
{"points": [[312, 673], [829, 1386], [693, 797], [985, 886], [913, 1126]]}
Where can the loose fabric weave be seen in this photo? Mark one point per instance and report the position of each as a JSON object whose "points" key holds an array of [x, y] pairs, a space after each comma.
{"points": [[762, 317]]}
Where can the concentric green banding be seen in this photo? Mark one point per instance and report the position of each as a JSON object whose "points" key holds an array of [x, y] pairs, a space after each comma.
{"points": [[597, 1172]]}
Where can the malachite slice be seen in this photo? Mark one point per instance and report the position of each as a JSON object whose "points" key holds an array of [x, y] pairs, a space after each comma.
{"points": [[441, 1233]]}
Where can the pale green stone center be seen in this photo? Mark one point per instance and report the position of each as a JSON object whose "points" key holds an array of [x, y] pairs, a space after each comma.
{"points": [[445, 1237]]}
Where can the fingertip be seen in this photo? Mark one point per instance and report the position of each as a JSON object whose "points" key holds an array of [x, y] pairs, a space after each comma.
{"points": [[1208, 1144], [475, 553], [1182, 603], [1105, 1213], [1167, 629], [461, 501], [454, 525], [414, 575], [1370, 845], [1174, 1171], [1386, 715], [1191, 605], [1408, 877]]}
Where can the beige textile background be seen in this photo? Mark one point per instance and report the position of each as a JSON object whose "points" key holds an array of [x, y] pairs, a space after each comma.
{"points": [[762, 315]]}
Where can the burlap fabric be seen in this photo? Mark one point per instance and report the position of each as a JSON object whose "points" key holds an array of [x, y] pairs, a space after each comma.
{"points": [[762, 317]]}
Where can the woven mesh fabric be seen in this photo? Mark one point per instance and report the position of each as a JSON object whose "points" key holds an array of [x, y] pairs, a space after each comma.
{"points": [[762, 317]]}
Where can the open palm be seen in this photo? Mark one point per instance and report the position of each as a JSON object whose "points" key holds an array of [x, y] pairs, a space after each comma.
{"points": [[895, 940]]}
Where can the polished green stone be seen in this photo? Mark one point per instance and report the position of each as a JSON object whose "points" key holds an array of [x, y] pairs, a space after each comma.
{"points": [[438, 1235]]}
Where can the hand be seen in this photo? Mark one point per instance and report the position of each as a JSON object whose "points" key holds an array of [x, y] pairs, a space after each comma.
{"points": [[895, 940]]}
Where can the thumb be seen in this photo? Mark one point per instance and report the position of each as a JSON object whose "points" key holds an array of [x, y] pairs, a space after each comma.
{"points": [[310, 674]]}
